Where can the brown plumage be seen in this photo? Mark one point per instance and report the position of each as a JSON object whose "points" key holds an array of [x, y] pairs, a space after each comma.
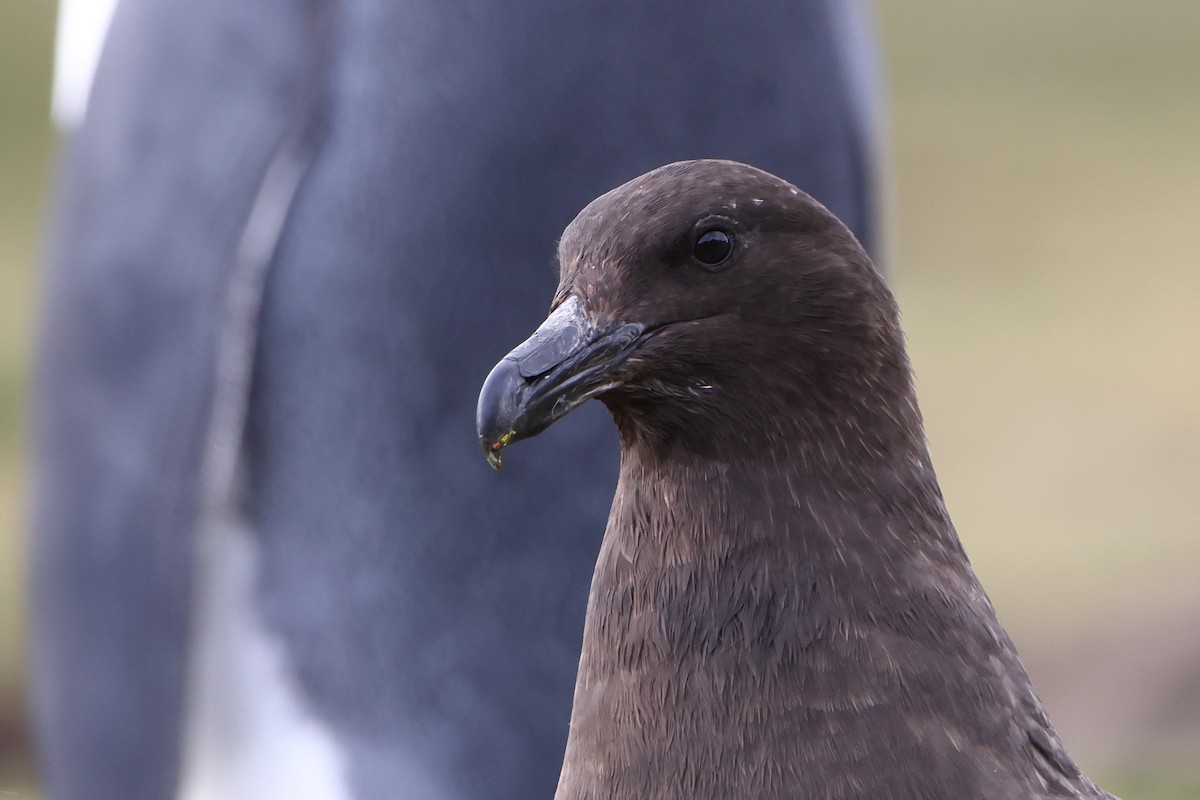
{"points": [[781, 607]]}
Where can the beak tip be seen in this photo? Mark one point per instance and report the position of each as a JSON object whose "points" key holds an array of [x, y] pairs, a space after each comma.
{"points": [[498, 410], [492, 448]]}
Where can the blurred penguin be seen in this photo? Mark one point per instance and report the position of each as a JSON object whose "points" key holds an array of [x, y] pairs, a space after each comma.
{"points": [[290, 239]]}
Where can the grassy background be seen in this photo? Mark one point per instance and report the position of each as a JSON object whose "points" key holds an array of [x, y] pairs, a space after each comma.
{"points": [[26, 32], [1047, 249], [1046, 245]]}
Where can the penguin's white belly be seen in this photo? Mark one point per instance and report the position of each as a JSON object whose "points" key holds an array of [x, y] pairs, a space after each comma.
{"points": [[249, 735]]}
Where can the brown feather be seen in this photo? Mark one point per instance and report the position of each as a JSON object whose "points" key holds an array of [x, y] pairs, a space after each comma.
{"points": [[781, 607]]}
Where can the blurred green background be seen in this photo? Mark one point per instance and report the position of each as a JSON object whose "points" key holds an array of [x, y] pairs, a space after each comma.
{"points": [[26, 50], [1044, 207]]}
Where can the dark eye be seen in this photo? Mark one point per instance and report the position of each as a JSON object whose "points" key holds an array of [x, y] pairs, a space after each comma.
{"points": [[713, 247]]}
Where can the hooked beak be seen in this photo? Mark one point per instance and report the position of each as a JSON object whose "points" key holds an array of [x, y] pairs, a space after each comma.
{"points": [[566, 361]]}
